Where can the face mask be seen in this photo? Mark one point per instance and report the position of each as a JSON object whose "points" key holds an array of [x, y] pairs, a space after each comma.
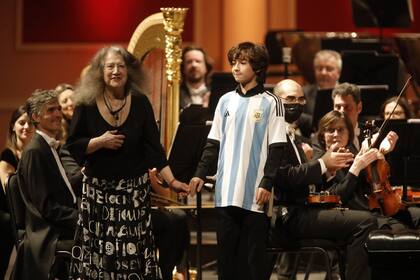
{"points": [[293, 112]]}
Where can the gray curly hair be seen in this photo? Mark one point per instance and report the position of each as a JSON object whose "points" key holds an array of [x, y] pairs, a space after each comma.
{"points": [[92, 84]]}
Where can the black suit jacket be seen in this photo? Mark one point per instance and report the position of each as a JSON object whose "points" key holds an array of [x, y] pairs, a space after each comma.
{"points": [[293, 179], [50, 211], [350, 188]]}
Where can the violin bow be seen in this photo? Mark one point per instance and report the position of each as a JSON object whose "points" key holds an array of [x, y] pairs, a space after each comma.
{"points": [[392, 112]]}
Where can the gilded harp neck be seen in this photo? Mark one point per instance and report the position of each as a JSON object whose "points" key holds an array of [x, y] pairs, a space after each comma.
{"points": [[162, 31]]}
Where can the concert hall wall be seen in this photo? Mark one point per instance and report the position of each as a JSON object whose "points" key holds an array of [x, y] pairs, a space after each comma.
{"points": [[333, 15]]}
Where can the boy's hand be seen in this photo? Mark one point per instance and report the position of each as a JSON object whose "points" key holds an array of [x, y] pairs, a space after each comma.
{"points": [[195, 185], [262, 196]]}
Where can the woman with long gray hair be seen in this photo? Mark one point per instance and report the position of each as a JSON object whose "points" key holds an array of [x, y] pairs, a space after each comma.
{"points": [[114, 136]]}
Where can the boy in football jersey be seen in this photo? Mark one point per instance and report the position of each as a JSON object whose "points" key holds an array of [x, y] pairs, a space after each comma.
{"points": [[247, 138]]}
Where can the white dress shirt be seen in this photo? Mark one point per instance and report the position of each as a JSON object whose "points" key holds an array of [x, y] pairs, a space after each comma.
{"points": [[54, 144]]}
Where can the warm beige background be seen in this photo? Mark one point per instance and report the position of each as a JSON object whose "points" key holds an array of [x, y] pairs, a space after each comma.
{"points": [[25, 69]]}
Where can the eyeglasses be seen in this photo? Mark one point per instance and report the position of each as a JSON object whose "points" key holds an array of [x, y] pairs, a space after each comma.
{"points": [[331, 130], [294, 99], [396, 113]]}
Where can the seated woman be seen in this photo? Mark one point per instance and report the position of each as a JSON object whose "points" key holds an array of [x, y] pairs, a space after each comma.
{"points": [[401, 112], [65, 99], [335, 133], [19, 134]]}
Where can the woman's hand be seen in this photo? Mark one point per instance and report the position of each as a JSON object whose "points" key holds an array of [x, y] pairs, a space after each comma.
{"points": [[112, 140], [362, 160], [307, 149], [179, 187], [109, 140]]}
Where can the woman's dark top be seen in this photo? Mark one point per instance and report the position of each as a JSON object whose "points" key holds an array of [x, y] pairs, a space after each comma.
{"points": [[140, 151], [8, 156]]}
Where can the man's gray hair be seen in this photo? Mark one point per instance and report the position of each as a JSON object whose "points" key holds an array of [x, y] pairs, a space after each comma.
{"points": [[326, 54], [37, 100]]}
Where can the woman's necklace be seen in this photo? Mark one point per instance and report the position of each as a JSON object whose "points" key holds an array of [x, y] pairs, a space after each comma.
{"points": [[114, 113]]}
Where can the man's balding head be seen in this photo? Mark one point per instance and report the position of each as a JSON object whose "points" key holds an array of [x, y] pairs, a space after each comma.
{"points": [[292, 96], [288, 87]]}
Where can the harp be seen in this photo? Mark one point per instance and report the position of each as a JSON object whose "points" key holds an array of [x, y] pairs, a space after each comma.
{"points": [[156, 42]]}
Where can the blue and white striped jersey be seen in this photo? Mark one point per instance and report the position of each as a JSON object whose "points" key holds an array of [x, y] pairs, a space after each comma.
{"points": [[245, 126]]}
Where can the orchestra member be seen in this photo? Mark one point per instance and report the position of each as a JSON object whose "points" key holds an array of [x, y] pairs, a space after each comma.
{"points": [[195, 70], [51, 210], [346, 99], [327, 69], [65, 99], [296, 179], [401, 112], [19, 134], [351, 183]]}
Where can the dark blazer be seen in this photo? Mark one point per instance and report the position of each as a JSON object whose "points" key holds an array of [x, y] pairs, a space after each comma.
{"points": [[351, 189], [310, 92], [305, 120], [293, 178], [50, 211]]}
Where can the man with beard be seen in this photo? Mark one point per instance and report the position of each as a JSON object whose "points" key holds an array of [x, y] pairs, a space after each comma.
{"points": [[195, 69]]}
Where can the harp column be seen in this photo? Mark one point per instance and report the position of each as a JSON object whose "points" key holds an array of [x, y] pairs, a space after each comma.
{"points": [[173, 21]]}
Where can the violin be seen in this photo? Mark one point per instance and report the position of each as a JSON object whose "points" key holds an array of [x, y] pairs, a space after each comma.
{"points": [[382, 196], [324, 199]]}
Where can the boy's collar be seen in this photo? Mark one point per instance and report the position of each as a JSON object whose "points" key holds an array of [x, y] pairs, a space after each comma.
{"points": [[259, 88]]}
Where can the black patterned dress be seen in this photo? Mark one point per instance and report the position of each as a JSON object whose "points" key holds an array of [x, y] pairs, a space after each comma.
{"points": [[114, 236]]}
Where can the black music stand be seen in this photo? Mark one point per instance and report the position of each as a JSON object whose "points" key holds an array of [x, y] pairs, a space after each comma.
{"points": [[404, 161], [323, 104], [185, 154], [373, 96], [370, 68], [373, 13], [354, 44], [190, 138]]}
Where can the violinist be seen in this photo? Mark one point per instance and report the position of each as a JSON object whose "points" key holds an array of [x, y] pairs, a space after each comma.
{"points": [[351, 183], [295, 178], [401, 112]]}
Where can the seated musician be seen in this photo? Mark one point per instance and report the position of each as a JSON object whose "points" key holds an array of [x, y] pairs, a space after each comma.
{"points": [[295, 178], [346, 99], [51, 211], [401, 112], [351, 183], [327, 69]]}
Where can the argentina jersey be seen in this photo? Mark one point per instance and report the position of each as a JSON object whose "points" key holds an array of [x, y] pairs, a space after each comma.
{"points": [[245, 127]]}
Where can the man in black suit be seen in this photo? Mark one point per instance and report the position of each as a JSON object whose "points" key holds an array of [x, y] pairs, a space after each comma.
{"points": [[51, 211], [295, 179]]}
